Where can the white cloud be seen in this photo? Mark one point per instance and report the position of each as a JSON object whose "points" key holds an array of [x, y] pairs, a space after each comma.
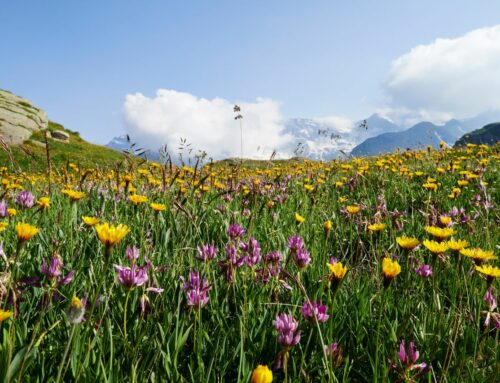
{"points": [[207, 125], [457, 77]]}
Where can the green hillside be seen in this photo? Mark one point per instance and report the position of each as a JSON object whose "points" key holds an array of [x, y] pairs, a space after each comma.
{"points": [[488, 134]]}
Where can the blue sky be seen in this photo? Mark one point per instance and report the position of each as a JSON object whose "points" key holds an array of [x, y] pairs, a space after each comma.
{"points": [[79, 59]]}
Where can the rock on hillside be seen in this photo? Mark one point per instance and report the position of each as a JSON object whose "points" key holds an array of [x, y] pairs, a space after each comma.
{"points": [[19, 118]]}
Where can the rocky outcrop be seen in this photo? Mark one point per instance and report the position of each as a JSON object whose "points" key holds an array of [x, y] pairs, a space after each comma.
{"points": [[19, 118], [60, 135]]}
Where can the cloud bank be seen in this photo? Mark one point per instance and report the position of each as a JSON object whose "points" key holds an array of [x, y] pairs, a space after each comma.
{"points": [[208, 125], [457, 78]]}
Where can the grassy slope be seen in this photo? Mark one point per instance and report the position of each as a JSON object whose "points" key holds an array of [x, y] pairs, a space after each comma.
{"points": [[32, 156]]}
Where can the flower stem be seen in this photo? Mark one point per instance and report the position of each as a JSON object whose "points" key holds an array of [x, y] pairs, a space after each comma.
{"points": [[125, 316], [66, 350], [381, 313]]}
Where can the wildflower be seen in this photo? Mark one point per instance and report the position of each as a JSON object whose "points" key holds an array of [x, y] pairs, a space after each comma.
{"points": [[251, 249], [157, 207], [74, 195], [478, 255], [390, 269], [3, 226], [408, 361], [435, 247], [11, 212], [445, 220], [43, 202], [3, 209], [457, 244], [25, 231], [407, 243], [196, 290], [298, 218], [110, 235], [286, 326], [25, 199], [425, 271], [490, 272], [53, 271], [440, 233], [302, 258], [231, 263], [353, 209], [90, 221], [207, 252], [5, 315], [314, 310], [235, 231], [491, 301], [137, 199], [327, 226], [334, 352], [430, 186], [261, 374], [132, 253], [377, 227], [131, 277], [295, 243], [76, 311], [338, 271]]}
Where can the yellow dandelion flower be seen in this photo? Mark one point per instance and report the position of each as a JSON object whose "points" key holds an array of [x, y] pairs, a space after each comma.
{"points": [[438, 232], [262, 374], [137, 199], [90, 221], [338, 270], [5, 315], [11, 212], [390, 268], [327, 226], [478, 254], [299, 218], [435, 247], [489, 271], [44, 202], [158, 206], [407, 243], [445, 220], [25, 231], [353, 209], [430, 186], [457, 244], [3, 226], [73, 195], [377, 227], [110, 235]]}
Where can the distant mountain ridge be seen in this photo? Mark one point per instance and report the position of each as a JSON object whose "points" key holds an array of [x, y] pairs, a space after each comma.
{"points": [[489, 134]]}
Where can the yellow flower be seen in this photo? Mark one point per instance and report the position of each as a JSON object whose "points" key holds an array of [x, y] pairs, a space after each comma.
{"points": [[299, 218], [11, 212], [3, 226], [25, 231], [262, 374], [390, 268], [377, 227], [407, 243], [353, 209], [430, 186], [136, 199], [91, 221], [445, 220], [438, 232], [73, 195], [338, 270], [270, 204], [327, 226], [158, 206], [76, 303], [435, 247], [489, 271], [5, 315], [44, 202], [110, 235], [479, 254], [457, 244]]}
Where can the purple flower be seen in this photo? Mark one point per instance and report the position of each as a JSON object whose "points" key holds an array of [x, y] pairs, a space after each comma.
{"points": [[286, 326], [273, 257], [207, 252], [25, 199], [491, 301], [310, 310], [235, 231], [251, 250], [295, 243], [408, 359], [425, 271], [302, 258], [332, 349], [231, 262], [53, 271], [3, 209], [131, 277], [196, 290], [132, 253]]}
